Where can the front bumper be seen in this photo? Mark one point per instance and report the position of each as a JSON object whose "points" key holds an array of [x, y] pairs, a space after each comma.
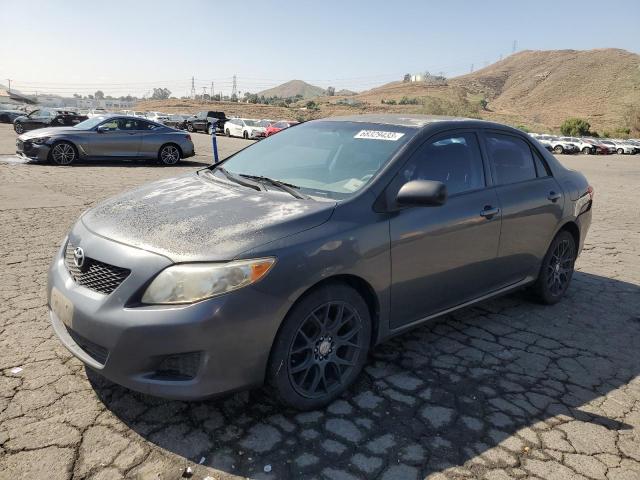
{"points": [[226, 339], [32, 151]]}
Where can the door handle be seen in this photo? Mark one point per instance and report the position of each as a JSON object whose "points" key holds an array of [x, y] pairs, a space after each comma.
{"points": [[489, 212], [554, 196]]}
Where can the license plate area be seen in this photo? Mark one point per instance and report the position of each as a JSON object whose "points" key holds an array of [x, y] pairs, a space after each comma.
{"points": [[62, 307]]}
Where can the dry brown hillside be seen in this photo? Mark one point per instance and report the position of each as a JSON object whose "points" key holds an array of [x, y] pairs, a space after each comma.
{"points": [[537, 89], [546, 87]]}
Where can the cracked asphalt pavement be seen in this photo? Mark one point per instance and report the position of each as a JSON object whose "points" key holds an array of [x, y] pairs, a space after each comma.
{"points": [[507, 389]]}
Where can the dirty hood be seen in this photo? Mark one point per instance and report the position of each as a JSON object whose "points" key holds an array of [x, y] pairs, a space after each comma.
{"points": [[194, 218]]}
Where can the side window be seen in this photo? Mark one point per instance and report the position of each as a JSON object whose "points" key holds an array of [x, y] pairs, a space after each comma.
{"points": [[511, 158], [453, 160], [111, 125], [541, 166]]}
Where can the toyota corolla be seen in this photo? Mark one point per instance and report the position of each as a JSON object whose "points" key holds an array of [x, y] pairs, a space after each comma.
{"points": [[287, 262]]}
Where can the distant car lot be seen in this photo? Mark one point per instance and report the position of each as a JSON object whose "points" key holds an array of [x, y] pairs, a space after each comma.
{"points": [[505, 389]]}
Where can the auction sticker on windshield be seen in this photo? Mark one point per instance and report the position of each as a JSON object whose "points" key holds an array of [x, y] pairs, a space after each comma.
{"points": [[378, 135]]}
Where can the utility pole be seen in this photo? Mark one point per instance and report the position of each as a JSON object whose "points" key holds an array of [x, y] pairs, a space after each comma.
{"points": [[193, 88], [515, 46], [234, 88], [9, 80], [471, 69]]}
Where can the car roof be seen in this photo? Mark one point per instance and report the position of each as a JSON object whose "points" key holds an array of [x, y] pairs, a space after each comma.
{"points": [[411, 120]]}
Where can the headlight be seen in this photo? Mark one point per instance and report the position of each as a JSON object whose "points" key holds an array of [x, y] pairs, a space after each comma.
{"points": [[191, 282], [40, 141]]}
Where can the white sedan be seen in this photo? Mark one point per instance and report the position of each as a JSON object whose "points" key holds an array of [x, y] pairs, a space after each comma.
{"points": [[245, 128]]}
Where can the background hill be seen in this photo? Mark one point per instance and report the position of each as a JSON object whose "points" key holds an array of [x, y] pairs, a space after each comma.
{"points": [[535, 89], [292, 88]]}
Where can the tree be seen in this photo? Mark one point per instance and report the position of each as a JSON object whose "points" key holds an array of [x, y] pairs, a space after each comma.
{"points": [[99, 95], [160, 94], [575, 127], [331, 91]]}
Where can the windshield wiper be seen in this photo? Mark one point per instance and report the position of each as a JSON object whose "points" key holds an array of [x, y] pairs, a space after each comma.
{"points": [[287, 187], [238, 180]]}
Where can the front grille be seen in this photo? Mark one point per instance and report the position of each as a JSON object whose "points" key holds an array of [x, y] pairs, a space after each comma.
{"points": [[96, 275], [95, 351]]}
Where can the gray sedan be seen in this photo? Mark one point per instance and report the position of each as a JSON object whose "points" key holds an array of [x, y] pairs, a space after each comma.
{"points": [[106, 137], [289, 260]]}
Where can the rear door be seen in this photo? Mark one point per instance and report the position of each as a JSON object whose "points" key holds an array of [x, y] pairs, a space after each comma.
{"points": [[443, 256], [531, 200], [151, 139]]}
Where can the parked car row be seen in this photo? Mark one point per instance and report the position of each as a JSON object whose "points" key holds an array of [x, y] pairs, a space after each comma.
{"points": [[46, 117], [587, 145]]}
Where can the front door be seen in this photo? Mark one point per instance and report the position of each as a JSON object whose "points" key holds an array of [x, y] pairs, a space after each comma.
{"points": [[443, 256], [122, 138], [532, 203]]}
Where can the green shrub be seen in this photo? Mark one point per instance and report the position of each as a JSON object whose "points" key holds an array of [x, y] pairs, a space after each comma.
{"points": [[409, 101], [575, 127]]}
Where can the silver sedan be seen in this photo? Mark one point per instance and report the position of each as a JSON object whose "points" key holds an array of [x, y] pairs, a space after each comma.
{"points": [[106, 137]]}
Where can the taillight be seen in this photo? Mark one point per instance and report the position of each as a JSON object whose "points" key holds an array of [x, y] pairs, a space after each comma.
{"points": [[591, 192]]}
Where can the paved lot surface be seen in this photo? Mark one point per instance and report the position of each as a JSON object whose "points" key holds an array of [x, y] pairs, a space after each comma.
{"points": [[507, 389]]}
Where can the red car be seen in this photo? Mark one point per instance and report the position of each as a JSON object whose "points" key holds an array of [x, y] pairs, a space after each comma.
{"points": [[281, 125], [600, 148]]}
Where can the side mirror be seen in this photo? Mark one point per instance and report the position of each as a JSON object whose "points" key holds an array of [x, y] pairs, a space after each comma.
{"points": [[102, 129], [428, 193]]}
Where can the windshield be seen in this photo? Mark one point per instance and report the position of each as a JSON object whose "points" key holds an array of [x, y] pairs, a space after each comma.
{"points": [[324, 158], [250, 123], [90, 123], [264, 123]]}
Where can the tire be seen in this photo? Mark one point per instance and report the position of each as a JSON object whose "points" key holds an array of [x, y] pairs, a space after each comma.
{"points": [[556, 269], [169, 154], [558, 149], [63, 153], [318, 354], [586, 151], [620, 151], [190, 128], [227, 132], [19, 128], [211, 130], [245, 135]]}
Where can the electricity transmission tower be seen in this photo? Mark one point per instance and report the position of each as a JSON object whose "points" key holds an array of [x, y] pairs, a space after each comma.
{"points": [[193, 88], [234, 88]]}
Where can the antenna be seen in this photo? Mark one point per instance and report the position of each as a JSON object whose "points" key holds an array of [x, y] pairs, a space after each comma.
{"points": [[234, 88], [193, 88]]}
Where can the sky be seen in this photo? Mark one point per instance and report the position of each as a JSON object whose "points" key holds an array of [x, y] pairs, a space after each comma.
{"points": [[130, 47]]}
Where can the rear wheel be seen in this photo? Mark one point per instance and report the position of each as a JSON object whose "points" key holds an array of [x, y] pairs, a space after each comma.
{"points": [[586, 150], [620, 151], [321, 347], [245, 135], [227, 132], [19, 128], [63, 153], [558, 149], [190, 127], [557, 269], [169, 155]]}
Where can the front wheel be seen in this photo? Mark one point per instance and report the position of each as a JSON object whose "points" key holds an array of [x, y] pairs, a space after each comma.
{"points": [[558, 149], [321, 347], [245, 135], [557, 269], [190, 127], [620, 151], [227, 132], [211, 130], [586, 150], [63, 153], [19, 128], [169, 155]]}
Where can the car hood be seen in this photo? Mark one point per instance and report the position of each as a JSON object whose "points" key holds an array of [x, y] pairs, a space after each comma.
{"points": [[193, 218], [47, 131]]}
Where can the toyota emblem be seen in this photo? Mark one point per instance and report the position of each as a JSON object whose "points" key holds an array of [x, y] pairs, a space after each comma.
{"points": [[78, 257]]}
